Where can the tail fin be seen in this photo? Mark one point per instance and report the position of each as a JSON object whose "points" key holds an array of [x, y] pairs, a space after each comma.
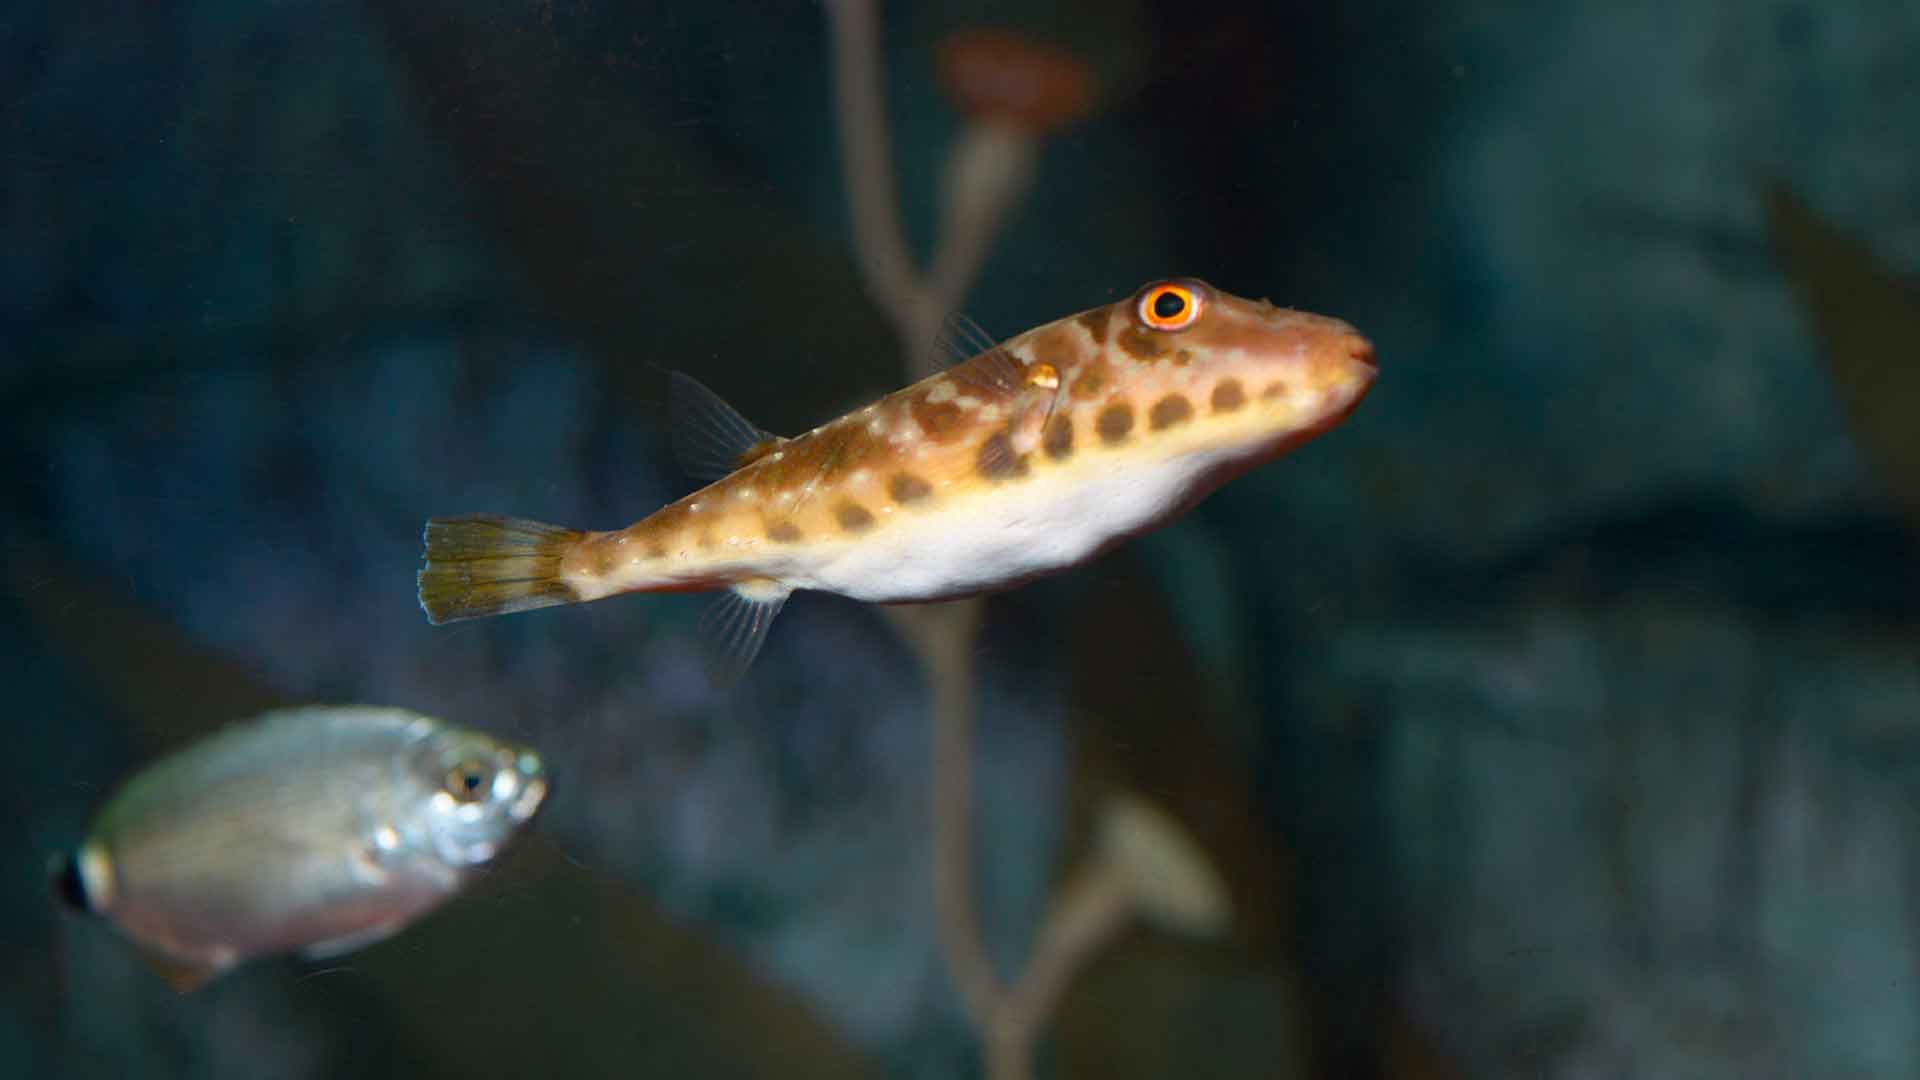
{"points": [[68, 883], [483, 564]]}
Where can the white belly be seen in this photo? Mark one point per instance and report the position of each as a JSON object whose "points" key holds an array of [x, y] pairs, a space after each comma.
{"points": [[1006, 534]]}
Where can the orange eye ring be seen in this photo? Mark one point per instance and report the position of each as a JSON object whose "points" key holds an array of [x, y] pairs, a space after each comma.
{"points": [[1170, 306]]}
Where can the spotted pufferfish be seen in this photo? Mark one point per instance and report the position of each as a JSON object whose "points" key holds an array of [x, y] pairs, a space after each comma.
{"points": [[1033, 455]]}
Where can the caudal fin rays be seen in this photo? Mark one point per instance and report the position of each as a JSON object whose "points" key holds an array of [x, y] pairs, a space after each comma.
{"points": [[485, 564]]}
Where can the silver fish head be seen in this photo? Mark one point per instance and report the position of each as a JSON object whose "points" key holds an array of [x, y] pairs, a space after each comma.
{"points": [[483, 791]]}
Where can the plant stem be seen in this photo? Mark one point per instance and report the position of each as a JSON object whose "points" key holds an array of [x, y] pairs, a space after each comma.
{"points": [[866, 160]]}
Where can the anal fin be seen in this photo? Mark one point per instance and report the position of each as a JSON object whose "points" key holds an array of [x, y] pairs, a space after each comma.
{"points": [[734, 627], [353, 942], [185, 976]]}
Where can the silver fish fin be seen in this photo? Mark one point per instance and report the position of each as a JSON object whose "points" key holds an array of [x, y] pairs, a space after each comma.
{"points": [[710, 437], [185, 976], [735, 625], [354, 942]]}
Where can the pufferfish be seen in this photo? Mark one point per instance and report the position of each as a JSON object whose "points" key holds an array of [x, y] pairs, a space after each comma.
{"points": [[1030, 457]]}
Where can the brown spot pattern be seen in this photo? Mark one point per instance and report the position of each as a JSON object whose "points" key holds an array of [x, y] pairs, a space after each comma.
{"points": [[1182, 357], [1274, 390], [941, 422], [1146, 346], [853, 517], [1089, 385], [1170, 410], [1096, 322], [783, 532], [997, 460], [908, 488], [1058, 439], [1228, 396], [1115, 422], [1057, 339]]}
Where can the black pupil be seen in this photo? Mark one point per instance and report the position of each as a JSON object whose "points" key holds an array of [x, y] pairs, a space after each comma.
{"points": [[1169, 305], [467, 779]]}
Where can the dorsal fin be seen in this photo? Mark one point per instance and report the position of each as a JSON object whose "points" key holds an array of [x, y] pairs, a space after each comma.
{"points": [[757, 451], [710, 437]]}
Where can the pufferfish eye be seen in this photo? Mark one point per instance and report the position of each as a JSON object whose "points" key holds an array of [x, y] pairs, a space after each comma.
{"points": [[470, 780], [1170, 305]]}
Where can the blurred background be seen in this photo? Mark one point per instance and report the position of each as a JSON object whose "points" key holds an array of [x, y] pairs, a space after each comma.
{"points": [[1558, 715]]}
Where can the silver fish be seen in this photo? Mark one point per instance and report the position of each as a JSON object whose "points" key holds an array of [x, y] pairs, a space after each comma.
{"points": [[315, 830]]}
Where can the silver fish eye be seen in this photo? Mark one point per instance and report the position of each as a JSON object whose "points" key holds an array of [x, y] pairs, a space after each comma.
{"points": [[470, 779]]}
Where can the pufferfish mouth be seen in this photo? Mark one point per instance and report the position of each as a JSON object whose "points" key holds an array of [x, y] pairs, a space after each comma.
{"points": [[1360, 351]]}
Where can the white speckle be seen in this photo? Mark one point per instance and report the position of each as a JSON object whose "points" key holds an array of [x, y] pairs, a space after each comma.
{"points": [[948, 482], [967, 401], [860, 476], [886, 509], [743, 494], [733, 541], [869, 410], [693, 508], [785, 496], [942, 391], [96, 875], [876, 427], [386, 838], [778, 454], [622, 539], [990, 414]]}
